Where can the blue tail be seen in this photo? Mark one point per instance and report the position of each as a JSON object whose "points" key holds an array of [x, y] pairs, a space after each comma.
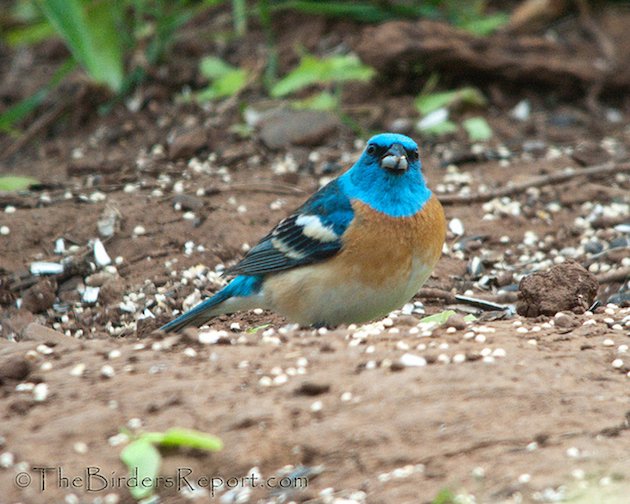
{"points": [[241, 286]]}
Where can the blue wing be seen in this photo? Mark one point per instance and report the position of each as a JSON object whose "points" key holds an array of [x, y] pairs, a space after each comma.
{"points": [[312, 233]]}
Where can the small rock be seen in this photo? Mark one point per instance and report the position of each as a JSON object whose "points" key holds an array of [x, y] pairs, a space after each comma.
{"points": [[564, 287], [43, 334], [186, 144], [14, 368], [40, 297], [566, 320], [312, 388], [457, 321], [187, 202], [297, 127]]}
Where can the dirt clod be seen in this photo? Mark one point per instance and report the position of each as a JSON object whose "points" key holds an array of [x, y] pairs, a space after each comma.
{"points": [[310, 388], [14, 368], [564, 287], [186, 144], [301, 127], [457, 321], [40, 297], [43, 334]]}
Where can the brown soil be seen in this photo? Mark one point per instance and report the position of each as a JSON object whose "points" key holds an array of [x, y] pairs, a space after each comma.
{"points": [[506, 409]]}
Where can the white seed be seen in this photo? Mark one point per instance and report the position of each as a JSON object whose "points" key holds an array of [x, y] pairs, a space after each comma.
{"points": [[411, 360], [107, 371], [40, 392], [617, 363]]}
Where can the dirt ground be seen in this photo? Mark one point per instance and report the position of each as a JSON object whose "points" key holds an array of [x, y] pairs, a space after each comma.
{"points": [[504, 409]]}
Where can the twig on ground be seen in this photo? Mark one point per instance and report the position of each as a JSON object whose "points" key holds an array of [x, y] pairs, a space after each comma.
{"points": [[543, 180], [619, 275]]}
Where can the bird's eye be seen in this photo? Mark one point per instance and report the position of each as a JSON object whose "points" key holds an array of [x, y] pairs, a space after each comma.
{"points": [[371, 150], [414, 155]]}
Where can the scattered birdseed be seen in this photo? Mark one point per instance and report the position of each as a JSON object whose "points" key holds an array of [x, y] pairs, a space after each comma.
{"points": [[617, 363], [265, 381], [478, 472], [78, 370], [317, 406], [346, 397], [524, 478], [7, 459], [522, 330], [118, 439], [4, 230], [411, 360], [46, 366], [107, 371], [608, 342], [44, 349], [40, 392], [10, 209], [139, 230], [578, 474], [80, 447], [459, 358], [190, 352], [573, 452], [134, 423]]}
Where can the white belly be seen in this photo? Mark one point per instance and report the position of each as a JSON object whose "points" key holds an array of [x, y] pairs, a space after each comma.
{"points": [[313, 295]]}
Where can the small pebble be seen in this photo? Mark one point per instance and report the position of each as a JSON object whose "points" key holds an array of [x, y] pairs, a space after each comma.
{"points": [[4, 230]]}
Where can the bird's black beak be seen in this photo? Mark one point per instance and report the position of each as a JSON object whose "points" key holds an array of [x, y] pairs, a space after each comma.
{"points": [[395, 159]]}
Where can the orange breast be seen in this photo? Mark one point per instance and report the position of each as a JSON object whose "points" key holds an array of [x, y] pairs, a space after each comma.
{"points": [[380, 248]]}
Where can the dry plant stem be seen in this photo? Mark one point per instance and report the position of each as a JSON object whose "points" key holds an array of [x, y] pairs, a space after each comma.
{"points": [[543, 180], [620, 275]]}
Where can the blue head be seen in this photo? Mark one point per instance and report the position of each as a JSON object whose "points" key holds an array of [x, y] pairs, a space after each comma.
{"points": [[388, 176]]}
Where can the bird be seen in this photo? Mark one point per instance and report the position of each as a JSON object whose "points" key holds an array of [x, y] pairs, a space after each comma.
{"points": [[357, 249]]}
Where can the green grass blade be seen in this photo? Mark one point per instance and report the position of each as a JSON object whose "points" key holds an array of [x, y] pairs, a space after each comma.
{"points": [[25, 107], [239, 14], [13, 183], [30, 34], [91, 36], [189, 438]]}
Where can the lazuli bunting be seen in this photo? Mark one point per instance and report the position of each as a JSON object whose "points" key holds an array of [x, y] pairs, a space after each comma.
{"points": [[358, 248]]}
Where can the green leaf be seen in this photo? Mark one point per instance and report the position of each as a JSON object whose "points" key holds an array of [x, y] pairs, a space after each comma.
{"points": [[442, 128], [318, 101], [442, 317], [254, 330], [190, 439], [444, 496], [225, 86], [427, 103], [313, 70], [143, 460], [212, 67], [91, 35], [485, 25], [13, 183], [478, 129], [365, 12]]}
